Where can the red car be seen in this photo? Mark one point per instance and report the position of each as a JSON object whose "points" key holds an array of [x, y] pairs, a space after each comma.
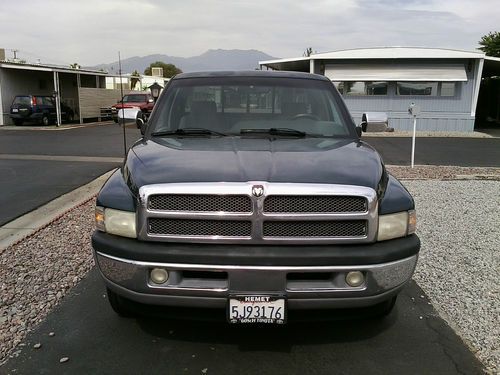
{"points": [[141, 100]]}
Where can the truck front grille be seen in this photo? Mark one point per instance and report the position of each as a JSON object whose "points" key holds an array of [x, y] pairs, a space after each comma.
{"points": [[200, 203], [346, 228], [182, 227], [314, 204], [257, 213]]}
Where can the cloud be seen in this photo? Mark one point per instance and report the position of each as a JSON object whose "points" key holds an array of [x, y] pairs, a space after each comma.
{"points": [[93, 31]]}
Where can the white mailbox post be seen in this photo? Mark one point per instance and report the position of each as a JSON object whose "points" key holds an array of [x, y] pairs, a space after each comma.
{"points": [[413, 110]]}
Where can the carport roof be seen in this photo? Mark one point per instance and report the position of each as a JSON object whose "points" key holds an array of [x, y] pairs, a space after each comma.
{"points": [[398, 53], [49, 68], [302, 63]]}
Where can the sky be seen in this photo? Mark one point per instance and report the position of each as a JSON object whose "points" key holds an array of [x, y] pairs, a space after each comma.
{"points": [[90, 32]]}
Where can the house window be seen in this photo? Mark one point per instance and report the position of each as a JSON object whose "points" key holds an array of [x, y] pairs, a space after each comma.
{"points": [[417, 88], [359, 88], [376, 88], [448, 89]]}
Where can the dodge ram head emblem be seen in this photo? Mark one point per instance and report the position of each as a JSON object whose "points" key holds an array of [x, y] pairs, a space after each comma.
{"points": [[257, 190]]}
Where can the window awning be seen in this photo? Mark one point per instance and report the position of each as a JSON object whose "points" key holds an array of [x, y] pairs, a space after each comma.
{"points": [[396, 72]]}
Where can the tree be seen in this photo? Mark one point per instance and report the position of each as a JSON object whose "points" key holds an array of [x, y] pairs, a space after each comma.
{"points": [[169, 70], [490, 44], [75, 66]]}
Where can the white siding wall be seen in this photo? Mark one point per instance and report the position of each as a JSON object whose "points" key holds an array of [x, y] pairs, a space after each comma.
{"points": [[438, 113], [92, 99]]}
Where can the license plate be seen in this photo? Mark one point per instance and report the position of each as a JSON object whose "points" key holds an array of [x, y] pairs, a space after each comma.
{"points": [[255, 309], [15, 110]]}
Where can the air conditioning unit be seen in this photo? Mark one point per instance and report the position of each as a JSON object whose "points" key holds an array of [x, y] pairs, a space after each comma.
{"points": [[157, 72]]}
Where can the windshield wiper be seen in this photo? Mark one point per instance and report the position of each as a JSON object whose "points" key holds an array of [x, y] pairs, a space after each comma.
{"points": [[187, 131], [275, 131]]}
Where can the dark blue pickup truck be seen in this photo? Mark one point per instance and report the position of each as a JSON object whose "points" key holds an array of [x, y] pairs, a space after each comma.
{"points": [[252, 193]]}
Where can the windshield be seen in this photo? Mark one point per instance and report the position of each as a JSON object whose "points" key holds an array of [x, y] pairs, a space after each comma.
{"points": [[134, 98], [26, 100], [242, 105]]}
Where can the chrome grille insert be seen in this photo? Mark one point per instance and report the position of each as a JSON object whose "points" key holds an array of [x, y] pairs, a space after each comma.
{"points": [[200, 203], [345, 228], [182, 227], [229, 213], [314, 204]]}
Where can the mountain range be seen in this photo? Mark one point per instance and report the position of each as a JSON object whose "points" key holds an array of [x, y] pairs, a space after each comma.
{"points": [[213, 59]]}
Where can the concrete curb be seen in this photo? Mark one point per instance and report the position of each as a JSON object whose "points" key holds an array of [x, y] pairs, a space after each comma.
{"points": [[56, 128], [26, 225]]}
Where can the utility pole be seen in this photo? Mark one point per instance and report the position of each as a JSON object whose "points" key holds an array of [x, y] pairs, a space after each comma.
{"points": [[123, 109], [15, 51]]}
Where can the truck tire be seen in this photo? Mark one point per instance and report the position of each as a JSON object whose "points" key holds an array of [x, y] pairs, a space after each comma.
{"points": [[118, 305], [45, 120]]}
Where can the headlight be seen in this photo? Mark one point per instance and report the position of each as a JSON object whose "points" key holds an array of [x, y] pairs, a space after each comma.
{"points": [[396, 225], [120, 223]]}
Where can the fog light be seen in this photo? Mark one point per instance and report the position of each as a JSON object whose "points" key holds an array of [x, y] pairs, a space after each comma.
{"points": [[354, 278], [159, 275]]}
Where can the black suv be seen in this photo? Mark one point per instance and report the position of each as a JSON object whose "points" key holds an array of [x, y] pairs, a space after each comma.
{"points": [[38, 109]]}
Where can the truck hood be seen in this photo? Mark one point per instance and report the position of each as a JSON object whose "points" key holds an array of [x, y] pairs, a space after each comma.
{"points": [[236, 159]]}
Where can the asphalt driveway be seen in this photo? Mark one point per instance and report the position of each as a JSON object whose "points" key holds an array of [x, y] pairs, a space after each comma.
{"points": [[412, 340], [39, 166], [463, 152]]}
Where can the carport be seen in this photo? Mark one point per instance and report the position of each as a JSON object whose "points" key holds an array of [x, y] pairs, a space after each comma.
{"points": [[84, 91]]}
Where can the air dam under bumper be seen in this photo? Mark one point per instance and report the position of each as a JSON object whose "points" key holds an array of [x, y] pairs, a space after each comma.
{"points": [[201, 285]]}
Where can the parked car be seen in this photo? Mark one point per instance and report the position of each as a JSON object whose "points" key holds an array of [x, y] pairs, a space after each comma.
{"points": [[253, 193], [38, 109], [143, 101]]}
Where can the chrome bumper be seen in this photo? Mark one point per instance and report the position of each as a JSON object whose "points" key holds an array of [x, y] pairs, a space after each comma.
{"points": [[201, 285]]}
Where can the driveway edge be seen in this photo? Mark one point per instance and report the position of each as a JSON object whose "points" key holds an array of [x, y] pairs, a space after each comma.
{"points": [[16, 230]]}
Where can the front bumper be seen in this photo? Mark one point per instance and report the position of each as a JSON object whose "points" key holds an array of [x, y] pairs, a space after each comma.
{"points": [[211, 283]]}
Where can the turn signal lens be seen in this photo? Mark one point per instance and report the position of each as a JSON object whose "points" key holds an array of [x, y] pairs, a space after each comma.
{"points": [[412, 221], [99, 219]]}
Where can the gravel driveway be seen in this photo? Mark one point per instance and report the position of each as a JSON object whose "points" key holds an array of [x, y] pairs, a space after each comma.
{"points": [[459, 264], [458, 267]]}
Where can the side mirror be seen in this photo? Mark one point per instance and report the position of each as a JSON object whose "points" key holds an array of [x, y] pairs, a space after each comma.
{"points": [[141, 125], [362, 126], [359, 131]]}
